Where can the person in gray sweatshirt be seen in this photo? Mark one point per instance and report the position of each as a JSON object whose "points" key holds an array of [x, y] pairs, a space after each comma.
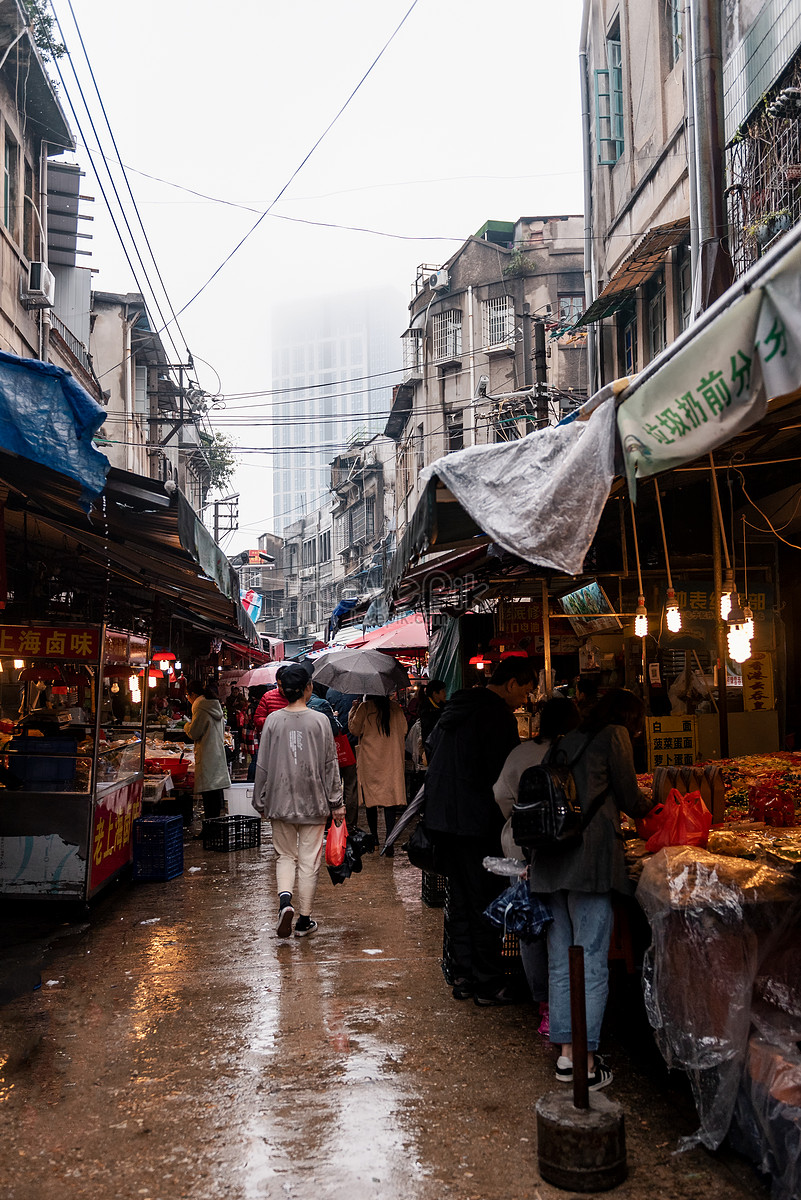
{"points": [[297, 787]]}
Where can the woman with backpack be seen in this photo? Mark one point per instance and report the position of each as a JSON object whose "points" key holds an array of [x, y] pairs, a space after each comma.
{"points": [[578, 883], [559, 716]]}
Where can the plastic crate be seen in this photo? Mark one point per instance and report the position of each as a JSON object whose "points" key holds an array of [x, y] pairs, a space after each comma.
{"points": [[433, 889], [158, 847], [232, 833]]}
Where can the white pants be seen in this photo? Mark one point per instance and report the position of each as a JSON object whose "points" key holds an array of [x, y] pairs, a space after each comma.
{"points": [[299, 850]]}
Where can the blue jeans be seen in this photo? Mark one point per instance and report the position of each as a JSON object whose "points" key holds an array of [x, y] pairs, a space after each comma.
{"points": [[579, 919]]}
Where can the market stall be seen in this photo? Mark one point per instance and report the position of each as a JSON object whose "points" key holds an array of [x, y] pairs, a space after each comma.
{"points": [[74, 707]]}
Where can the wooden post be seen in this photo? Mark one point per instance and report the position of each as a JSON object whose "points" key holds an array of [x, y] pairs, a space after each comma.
{"points": [[546, 636]]}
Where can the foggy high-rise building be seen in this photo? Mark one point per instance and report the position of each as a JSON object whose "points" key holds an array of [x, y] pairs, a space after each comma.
{"points": [[334, 362]]}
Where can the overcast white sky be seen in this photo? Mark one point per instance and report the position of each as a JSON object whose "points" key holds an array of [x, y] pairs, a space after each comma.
{"points": [[472, 113]]}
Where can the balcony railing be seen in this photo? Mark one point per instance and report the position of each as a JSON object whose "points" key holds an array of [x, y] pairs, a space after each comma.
{"points": [[75, 347]]}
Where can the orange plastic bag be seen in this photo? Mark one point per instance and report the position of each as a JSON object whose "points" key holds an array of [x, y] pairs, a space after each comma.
{"points": [[335, 844], [680, 821]]}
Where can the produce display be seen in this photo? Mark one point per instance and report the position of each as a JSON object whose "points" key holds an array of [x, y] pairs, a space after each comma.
{"points": [[759, 787]]}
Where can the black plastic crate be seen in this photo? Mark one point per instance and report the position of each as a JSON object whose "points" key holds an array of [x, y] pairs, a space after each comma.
{"points": [[232, 833], [433, 889], [158, 847]]}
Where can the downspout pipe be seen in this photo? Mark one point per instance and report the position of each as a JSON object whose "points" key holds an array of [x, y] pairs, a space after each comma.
{"points": [[590, 281]]}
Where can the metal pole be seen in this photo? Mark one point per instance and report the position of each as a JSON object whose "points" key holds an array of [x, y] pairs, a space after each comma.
{"points": [[527, 374], [578, 1026]]}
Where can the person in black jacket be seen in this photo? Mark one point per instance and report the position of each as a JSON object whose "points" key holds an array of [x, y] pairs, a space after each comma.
{"points": [[467, 750]]}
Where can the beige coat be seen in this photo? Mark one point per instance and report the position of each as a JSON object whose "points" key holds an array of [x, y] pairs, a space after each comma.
{"points": [[207, 730], [380, 759]]}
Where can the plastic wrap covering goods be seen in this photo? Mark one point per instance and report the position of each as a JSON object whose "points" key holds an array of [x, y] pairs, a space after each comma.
{"points": [[767, 1116], [47, 417], [719, 926], [541, 497]]}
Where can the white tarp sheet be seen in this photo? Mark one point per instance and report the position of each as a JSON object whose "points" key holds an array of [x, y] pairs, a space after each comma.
{"points": [[541, 497]]}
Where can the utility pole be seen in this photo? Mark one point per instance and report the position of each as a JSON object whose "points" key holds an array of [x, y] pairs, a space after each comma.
{"points": [[225, 522], [540, 373]]}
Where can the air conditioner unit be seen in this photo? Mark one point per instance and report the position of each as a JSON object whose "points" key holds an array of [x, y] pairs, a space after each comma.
{"points": [[40, 291], [439, 281]]}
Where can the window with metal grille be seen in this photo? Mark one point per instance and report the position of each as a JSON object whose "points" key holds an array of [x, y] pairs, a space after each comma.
{"points": [[412, 341], [498, 319], [447, 330], [369, 517], [609, 103]]}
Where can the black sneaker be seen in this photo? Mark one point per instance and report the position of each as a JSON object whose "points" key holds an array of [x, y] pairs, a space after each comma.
{"points": [[496, 1000], [285, 918], [304, 926], [462, 989], [601, 1076]]}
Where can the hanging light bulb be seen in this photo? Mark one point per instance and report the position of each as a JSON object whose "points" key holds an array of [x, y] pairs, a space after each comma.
{"points": [[739, 643], [178, 666], [672, 613], [736, 615], [726, 596], [133, 684], [164, 664], [151, 681], [115, 687], [641, 618], [749, 621]]}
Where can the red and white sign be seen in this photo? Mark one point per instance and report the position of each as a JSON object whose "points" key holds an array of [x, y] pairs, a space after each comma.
{"points": [[112, 830]]}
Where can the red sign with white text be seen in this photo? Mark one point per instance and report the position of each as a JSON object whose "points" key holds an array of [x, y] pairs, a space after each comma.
{"points": [[71, 643]]}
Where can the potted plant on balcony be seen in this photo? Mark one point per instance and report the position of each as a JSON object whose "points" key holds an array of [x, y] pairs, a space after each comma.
{"points": [[770, 225]]}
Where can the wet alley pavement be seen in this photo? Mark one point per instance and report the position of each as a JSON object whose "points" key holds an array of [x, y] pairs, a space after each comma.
{"points": [[176, 1048]]}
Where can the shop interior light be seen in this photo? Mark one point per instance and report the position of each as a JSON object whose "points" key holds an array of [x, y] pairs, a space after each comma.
{"points": [[133, 684], [115, 687], [641, 618], [739, 643], [19, 663], [151, 681]]}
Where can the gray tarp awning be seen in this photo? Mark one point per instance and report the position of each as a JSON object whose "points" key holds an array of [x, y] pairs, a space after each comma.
{"points": [[540, 497]]}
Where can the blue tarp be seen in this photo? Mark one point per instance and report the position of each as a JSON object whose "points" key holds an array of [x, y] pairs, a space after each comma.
{"points": [[47, 417]]}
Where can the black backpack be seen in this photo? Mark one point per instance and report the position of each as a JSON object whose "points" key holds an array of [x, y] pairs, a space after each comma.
{"points": [[547, 814]]}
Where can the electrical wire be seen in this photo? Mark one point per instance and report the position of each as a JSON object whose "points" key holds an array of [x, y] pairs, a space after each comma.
{"points": [[302, 163], [122, 167], [111, 181]]}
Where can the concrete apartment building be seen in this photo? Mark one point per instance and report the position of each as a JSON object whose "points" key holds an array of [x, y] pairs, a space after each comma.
{"points": [[488, 353], [674, 203]]}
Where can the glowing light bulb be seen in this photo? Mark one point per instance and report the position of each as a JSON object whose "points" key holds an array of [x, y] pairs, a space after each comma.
{"points": [[749, 621], [672, 614], [725, 605], [178, 666], [480, 666], [133, 684], [739, 643], [19, 663], [164, 664], [115, 687], [151, 682], [640, 618], [136, 696]]}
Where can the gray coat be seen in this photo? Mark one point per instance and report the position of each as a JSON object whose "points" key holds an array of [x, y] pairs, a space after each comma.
{"points": [[598, 864], [206, 729]]}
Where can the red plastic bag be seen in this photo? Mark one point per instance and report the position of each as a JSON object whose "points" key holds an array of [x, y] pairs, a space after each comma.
{"points": [[335, 844], [345, 755], [683, 821]]}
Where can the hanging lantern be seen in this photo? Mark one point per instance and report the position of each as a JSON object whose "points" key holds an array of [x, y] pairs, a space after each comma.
{"points": [[672, 613], [641, 618], [478, 662]]}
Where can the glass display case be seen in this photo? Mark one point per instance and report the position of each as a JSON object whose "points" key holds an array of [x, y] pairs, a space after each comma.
{"points": [[73, 703]]}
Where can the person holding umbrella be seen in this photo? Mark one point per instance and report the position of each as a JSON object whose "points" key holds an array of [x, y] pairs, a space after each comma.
{"points": [[297, 788], [380, 726]]}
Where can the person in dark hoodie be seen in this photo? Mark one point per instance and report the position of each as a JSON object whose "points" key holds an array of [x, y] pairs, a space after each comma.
{"points": [[466, 752], [206, 728]]}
